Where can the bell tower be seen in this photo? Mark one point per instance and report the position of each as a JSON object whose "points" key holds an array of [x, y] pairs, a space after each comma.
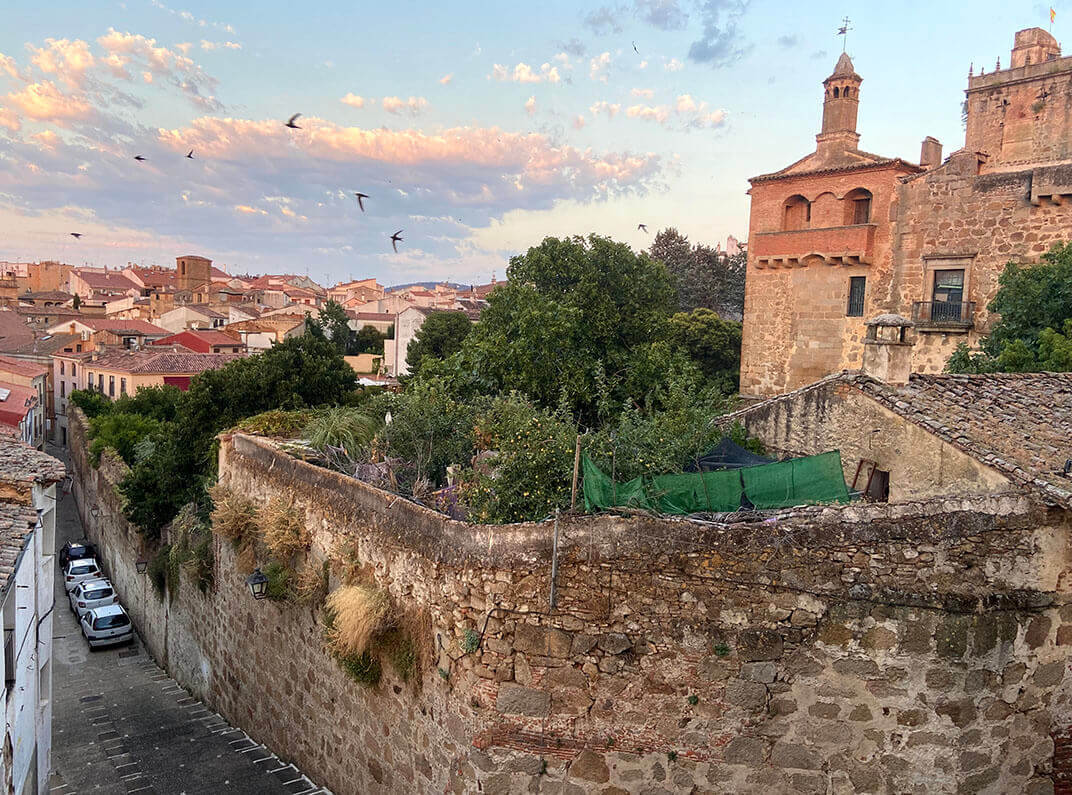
{"points": [[840, 104]]}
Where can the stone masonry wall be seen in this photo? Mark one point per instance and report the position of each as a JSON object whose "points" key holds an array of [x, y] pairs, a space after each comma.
{"points": [[911, 647], [954, 218]]}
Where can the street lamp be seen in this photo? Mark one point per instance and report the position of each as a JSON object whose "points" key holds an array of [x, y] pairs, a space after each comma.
{"points": [[142, 564], [258, 584]]}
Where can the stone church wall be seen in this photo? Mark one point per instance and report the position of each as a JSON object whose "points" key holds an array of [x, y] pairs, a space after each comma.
{"points": [[870, 648]]}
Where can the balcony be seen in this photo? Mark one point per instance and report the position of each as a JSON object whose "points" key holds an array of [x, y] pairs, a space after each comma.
{"points": [[943, 315], [798, 248]]}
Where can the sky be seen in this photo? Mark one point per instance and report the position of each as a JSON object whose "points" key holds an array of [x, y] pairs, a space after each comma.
{"points": [[476, 128]]}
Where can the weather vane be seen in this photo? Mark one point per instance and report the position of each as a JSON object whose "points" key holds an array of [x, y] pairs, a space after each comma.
{"points": [[843, 31]]}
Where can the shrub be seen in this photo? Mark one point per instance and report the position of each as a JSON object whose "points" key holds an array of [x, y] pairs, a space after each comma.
{"points": [[362, 668], [158, 570], [121, 432], [283, 529], [91, 402], [401, 652], [359, 613], [278, 588], [528, 472], [160, 403], [470, 641], [277, 423], [234, 516], [348, 428], [201, 565]]}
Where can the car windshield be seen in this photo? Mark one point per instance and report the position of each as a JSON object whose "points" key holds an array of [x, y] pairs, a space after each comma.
{"points": [[97, 593], [82, 569], [76, 550], [111, 622]]}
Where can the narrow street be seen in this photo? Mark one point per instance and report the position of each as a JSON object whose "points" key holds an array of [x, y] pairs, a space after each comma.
{"points": [[121, 724]]}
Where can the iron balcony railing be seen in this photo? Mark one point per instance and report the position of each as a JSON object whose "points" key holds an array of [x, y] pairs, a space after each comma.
{"points": [[944, 313]]}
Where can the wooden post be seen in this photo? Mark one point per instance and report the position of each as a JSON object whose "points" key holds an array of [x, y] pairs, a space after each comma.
{"points": [[576, 473]]}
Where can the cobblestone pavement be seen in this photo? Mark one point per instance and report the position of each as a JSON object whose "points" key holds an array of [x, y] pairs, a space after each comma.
{"points": [[121, 724]]}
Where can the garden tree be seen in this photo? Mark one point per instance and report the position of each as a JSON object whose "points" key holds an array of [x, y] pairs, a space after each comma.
{"points": [[703, 277], [120, 431], [1035, 304], [712, 343], [565, 326], [441, 335], [368, 340], [335, 324], [300, 372], [77, 302]]}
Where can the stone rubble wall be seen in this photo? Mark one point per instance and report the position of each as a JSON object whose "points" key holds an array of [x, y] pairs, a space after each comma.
{"points": [[871, 648]]}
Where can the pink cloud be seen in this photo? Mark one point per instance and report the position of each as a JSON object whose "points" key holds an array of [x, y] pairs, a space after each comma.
{"points": [[68, 60], [523, 73], [353, 100], [396, 105], [578, 122], [445, 79], [10, 120], [530, 106], [645, 93], [45, 102]]}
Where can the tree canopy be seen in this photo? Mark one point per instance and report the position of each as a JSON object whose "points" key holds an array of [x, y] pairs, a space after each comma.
{"points": [[440, 336], [1034, 332], [703, 277]]}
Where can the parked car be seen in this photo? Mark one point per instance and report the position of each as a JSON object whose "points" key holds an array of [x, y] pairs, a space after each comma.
{"points": [[76, 550], [77, 571], [104, 626], [89, 594]]}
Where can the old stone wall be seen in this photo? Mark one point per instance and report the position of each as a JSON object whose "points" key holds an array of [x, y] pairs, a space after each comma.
{"points": [[953, 217], [870, 648], [835, 415]]}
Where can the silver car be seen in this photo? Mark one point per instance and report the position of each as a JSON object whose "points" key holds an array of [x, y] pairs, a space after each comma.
{"points": [[103, 626], [89, 594], [78, 571]]}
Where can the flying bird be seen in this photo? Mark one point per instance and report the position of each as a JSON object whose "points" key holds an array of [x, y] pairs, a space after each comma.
{"points": [[642, 226], [360, 203], [635, 49], [139, 158], [190, 154], [76, 235], [395, 238], [290, 122]]}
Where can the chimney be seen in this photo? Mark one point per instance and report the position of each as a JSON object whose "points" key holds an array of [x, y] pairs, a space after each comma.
{"points": [[888, 349], [930, 153]]}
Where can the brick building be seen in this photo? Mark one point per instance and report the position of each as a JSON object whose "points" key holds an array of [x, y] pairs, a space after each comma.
{"points": [[843, 235]]}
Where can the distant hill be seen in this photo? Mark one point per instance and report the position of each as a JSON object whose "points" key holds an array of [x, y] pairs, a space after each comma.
{"points": [[427, 286]]}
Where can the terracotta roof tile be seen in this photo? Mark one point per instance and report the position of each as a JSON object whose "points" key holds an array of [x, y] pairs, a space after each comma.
{"points": [[20, 463], [17, 523]]}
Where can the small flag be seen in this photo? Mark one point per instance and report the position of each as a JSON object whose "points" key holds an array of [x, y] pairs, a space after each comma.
{"points": [[1053, 15]]}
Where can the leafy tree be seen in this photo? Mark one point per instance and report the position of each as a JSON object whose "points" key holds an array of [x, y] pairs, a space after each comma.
{"points": [[335, 324], [564, 327], [158, 402], [120, 431], [1035, 305], [368, 340], [301, 372], [704, 277], [77, 302], [91, 402], [712, 343], [441, 335]]}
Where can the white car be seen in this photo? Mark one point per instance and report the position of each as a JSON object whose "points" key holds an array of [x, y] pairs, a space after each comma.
{"points": [[89, 594], [103, 626], [78, 571]]}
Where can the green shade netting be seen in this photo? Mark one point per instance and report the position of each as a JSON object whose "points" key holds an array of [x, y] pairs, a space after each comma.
{"points": [[783, 484], [671, 494], [817, 478]]}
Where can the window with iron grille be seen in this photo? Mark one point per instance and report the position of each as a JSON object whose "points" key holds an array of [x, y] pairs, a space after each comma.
{"points": [[857, 286]]}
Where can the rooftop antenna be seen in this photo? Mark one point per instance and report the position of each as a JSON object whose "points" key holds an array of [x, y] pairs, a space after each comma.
{"points": [[843, 31]]}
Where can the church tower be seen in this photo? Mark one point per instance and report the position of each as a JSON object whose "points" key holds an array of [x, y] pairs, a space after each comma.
{"points": [[840, 105]]}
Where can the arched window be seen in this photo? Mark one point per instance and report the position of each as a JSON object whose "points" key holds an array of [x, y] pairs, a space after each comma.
{"points": [[858, 206], [835, 92], [797, 214]]}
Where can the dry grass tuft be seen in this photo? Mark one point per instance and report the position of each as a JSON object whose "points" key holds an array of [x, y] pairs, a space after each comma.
{"points": [[283, 529], [310, 585], [234, 515], [246, 557], [359, 614]]}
